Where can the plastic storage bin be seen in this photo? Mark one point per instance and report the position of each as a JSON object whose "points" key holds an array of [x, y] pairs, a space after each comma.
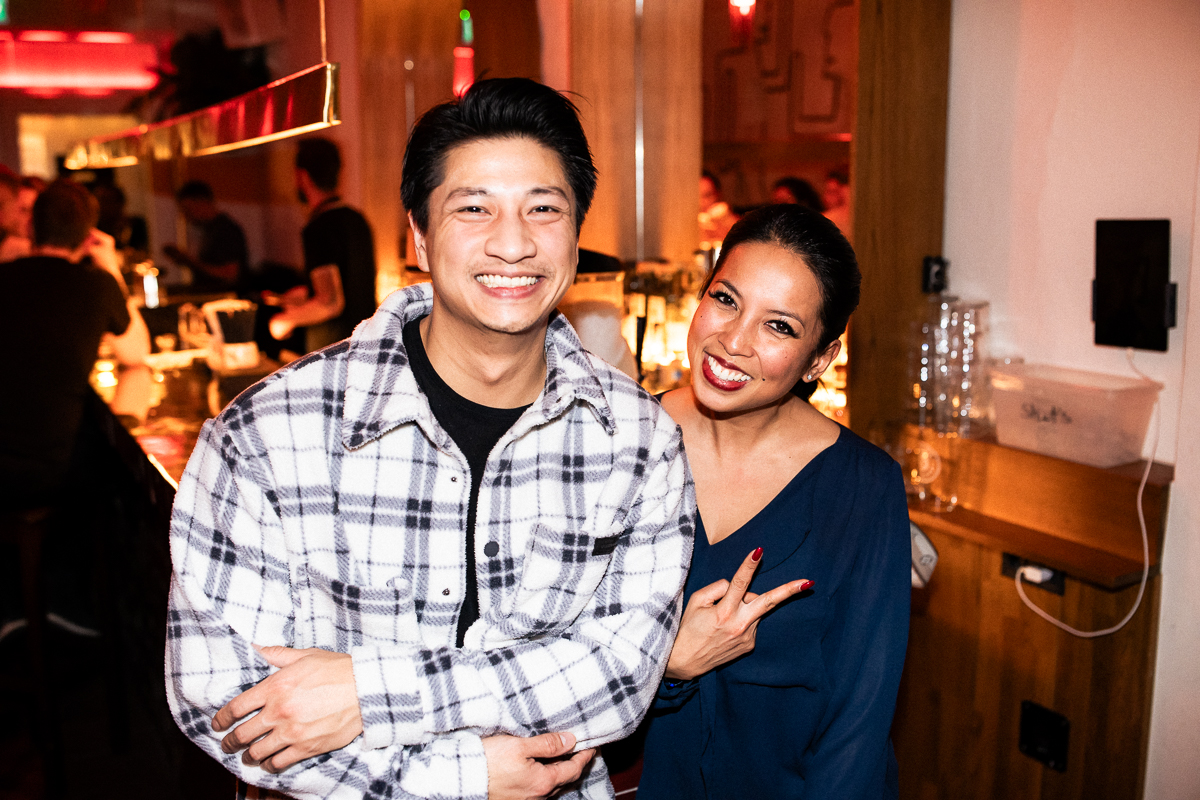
{"points": [[1089, 417]]}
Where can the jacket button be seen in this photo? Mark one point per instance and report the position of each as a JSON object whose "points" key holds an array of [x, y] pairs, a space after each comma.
{"points": [[490, 549], [445, 591]]}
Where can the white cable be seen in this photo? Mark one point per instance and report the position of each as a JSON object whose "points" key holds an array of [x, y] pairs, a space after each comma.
{"points": [[1157, 411]]}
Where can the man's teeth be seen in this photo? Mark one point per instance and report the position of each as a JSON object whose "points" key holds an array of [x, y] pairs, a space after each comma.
{"points": [[726, 374], [505, 282]]}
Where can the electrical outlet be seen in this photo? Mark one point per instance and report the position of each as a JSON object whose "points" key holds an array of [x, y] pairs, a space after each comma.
{"points": [[1055, 584], [1045, 735]]}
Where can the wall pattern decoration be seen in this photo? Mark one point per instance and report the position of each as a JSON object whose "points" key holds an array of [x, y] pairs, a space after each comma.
{"points": [[794, 80]]}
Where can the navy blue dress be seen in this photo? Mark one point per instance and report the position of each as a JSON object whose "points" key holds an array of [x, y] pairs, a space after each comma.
{"points": [[807, 713]]}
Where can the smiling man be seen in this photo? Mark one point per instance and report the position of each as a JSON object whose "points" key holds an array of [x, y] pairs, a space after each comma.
{"points": [[443, 558]]}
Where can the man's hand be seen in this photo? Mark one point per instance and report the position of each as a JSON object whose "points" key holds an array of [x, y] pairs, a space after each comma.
{"points": [[307, 708], [103, 250], [524, 769], [280, 328], [721, 621]]}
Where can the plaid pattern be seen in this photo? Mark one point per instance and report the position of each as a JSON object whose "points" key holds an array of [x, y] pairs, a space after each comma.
{"points": [[326, 508]]}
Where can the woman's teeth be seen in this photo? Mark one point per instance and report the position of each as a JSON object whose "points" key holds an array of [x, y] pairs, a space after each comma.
{"points": [[726, 374], [505, 282]]}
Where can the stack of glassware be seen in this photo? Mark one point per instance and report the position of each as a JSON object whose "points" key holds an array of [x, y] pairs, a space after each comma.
{"points": [[949, 388]]}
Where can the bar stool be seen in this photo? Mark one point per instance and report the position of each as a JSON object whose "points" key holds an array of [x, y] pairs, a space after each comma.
{"points": [[26, 531]]}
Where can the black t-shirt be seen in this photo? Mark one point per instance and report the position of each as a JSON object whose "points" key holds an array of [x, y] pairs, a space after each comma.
{"points": [[52, 316], [475, 429], [221, 241], [340, 236]]}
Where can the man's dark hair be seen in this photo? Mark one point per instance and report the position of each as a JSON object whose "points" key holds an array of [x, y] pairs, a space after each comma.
{"points": [[823, 249], [64, 215], [9, 180], [195, 190], [499, 108], [33, 182], [321, 160]]}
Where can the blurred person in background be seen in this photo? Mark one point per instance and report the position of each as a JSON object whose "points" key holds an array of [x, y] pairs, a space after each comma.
{"points": [[339, 256], [60, 302], [836, 197], [796, 191], [130, 233], [16, 205], [219, 257], [716, 217]]}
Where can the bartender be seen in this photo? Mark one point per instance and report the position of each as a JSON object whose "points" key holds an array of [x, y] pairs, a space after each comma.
{"points": [[339, 256], [218, 261]]}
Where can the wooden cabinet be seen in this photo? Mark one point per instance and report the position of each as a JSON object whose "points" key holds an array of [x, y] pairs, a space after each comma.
{"points": [[975, 652]]}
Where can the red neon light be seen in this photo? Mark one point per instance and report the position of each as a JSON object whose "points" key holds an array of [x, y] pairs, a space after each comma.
{"points": [[741, 21], [43, 36], [464, 69], [105, 37], [46, 64]]}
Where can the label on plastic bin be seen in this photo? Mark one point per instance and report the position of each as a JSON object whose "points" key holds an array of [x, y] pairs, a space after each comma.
{"points": [[1053, 415]]}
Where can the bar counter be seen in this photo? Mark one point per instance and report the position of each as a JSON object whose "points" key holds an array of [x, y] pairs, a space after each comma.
{"points": [[163, 405]]}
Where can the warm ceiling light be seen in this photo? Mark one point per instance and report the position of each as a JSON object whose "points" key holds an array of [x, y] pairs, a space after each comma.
{"points": [[741, 21], [105, 37], [43, 36]]}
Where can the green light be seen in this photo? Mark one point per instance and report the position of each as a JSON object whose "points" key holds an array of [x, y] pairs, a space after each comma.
{"points": [[464, 15], [3, 12]]}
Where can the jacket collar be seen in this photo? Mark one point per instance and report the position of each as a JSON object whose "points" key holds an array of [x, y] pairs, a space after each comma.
{"points": [[382, 392]]}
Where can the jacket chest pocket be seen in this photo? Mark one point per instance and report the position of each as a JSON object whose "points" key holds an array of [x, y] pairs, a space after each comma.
{"points": [[337, 615], [559, 576]]}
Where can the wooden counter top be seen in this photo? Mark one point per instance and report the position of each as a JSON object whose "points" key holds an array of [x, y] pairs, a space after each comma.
{"points": [[1075, 518]]}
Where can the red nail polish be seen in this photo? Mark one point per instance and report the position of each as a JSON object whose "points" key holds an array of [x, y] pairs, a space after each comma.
{"points": [[756, 555], [806, 585]]}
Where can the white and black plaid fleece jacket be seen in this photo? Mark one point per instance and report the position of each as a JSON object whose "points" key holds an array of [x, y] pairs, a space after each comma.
{"points": [[326, 508]]}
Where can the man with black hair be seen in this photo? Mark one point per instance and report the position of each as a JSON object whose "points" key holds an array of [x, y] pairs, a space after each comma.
{"points": [[443, 558], [219, 259], [339, 256]]}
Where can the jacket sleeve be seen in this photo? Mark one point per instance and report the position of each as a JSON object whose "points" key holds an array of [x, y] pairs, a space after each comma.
{"points": [[851, 749], [230, 589], [595, 678]]}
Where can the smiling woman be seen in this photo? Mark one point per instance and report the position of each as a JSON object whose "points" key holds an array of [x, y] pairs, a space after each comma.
{"points": [[784, 677]]}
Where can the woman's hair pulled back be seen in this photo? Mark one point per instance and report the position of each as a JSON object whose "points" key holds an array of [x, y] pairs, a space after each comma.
{"points": [[816, 240]]}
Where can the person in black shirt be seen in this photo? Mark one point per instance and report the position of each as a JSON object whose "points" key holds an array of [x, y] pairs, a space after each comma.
{"points": [[220, 258], [58, 304], [339, 256]]}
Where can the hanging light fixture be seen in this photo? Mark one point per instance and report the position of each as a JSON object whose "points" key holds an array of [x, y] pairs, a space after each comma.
{"points": [[464, 55], [300, 103], [741, 20]]}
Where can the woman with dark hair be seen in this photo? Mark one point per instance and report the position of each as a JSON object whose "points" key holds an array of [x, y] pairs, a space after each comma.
{"points": [[797, 191], [782, 681]]}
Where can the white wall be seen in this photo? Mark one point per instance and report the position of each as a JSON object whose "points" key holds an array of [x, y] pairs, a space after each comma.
{"points": [[1060, 113]]}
